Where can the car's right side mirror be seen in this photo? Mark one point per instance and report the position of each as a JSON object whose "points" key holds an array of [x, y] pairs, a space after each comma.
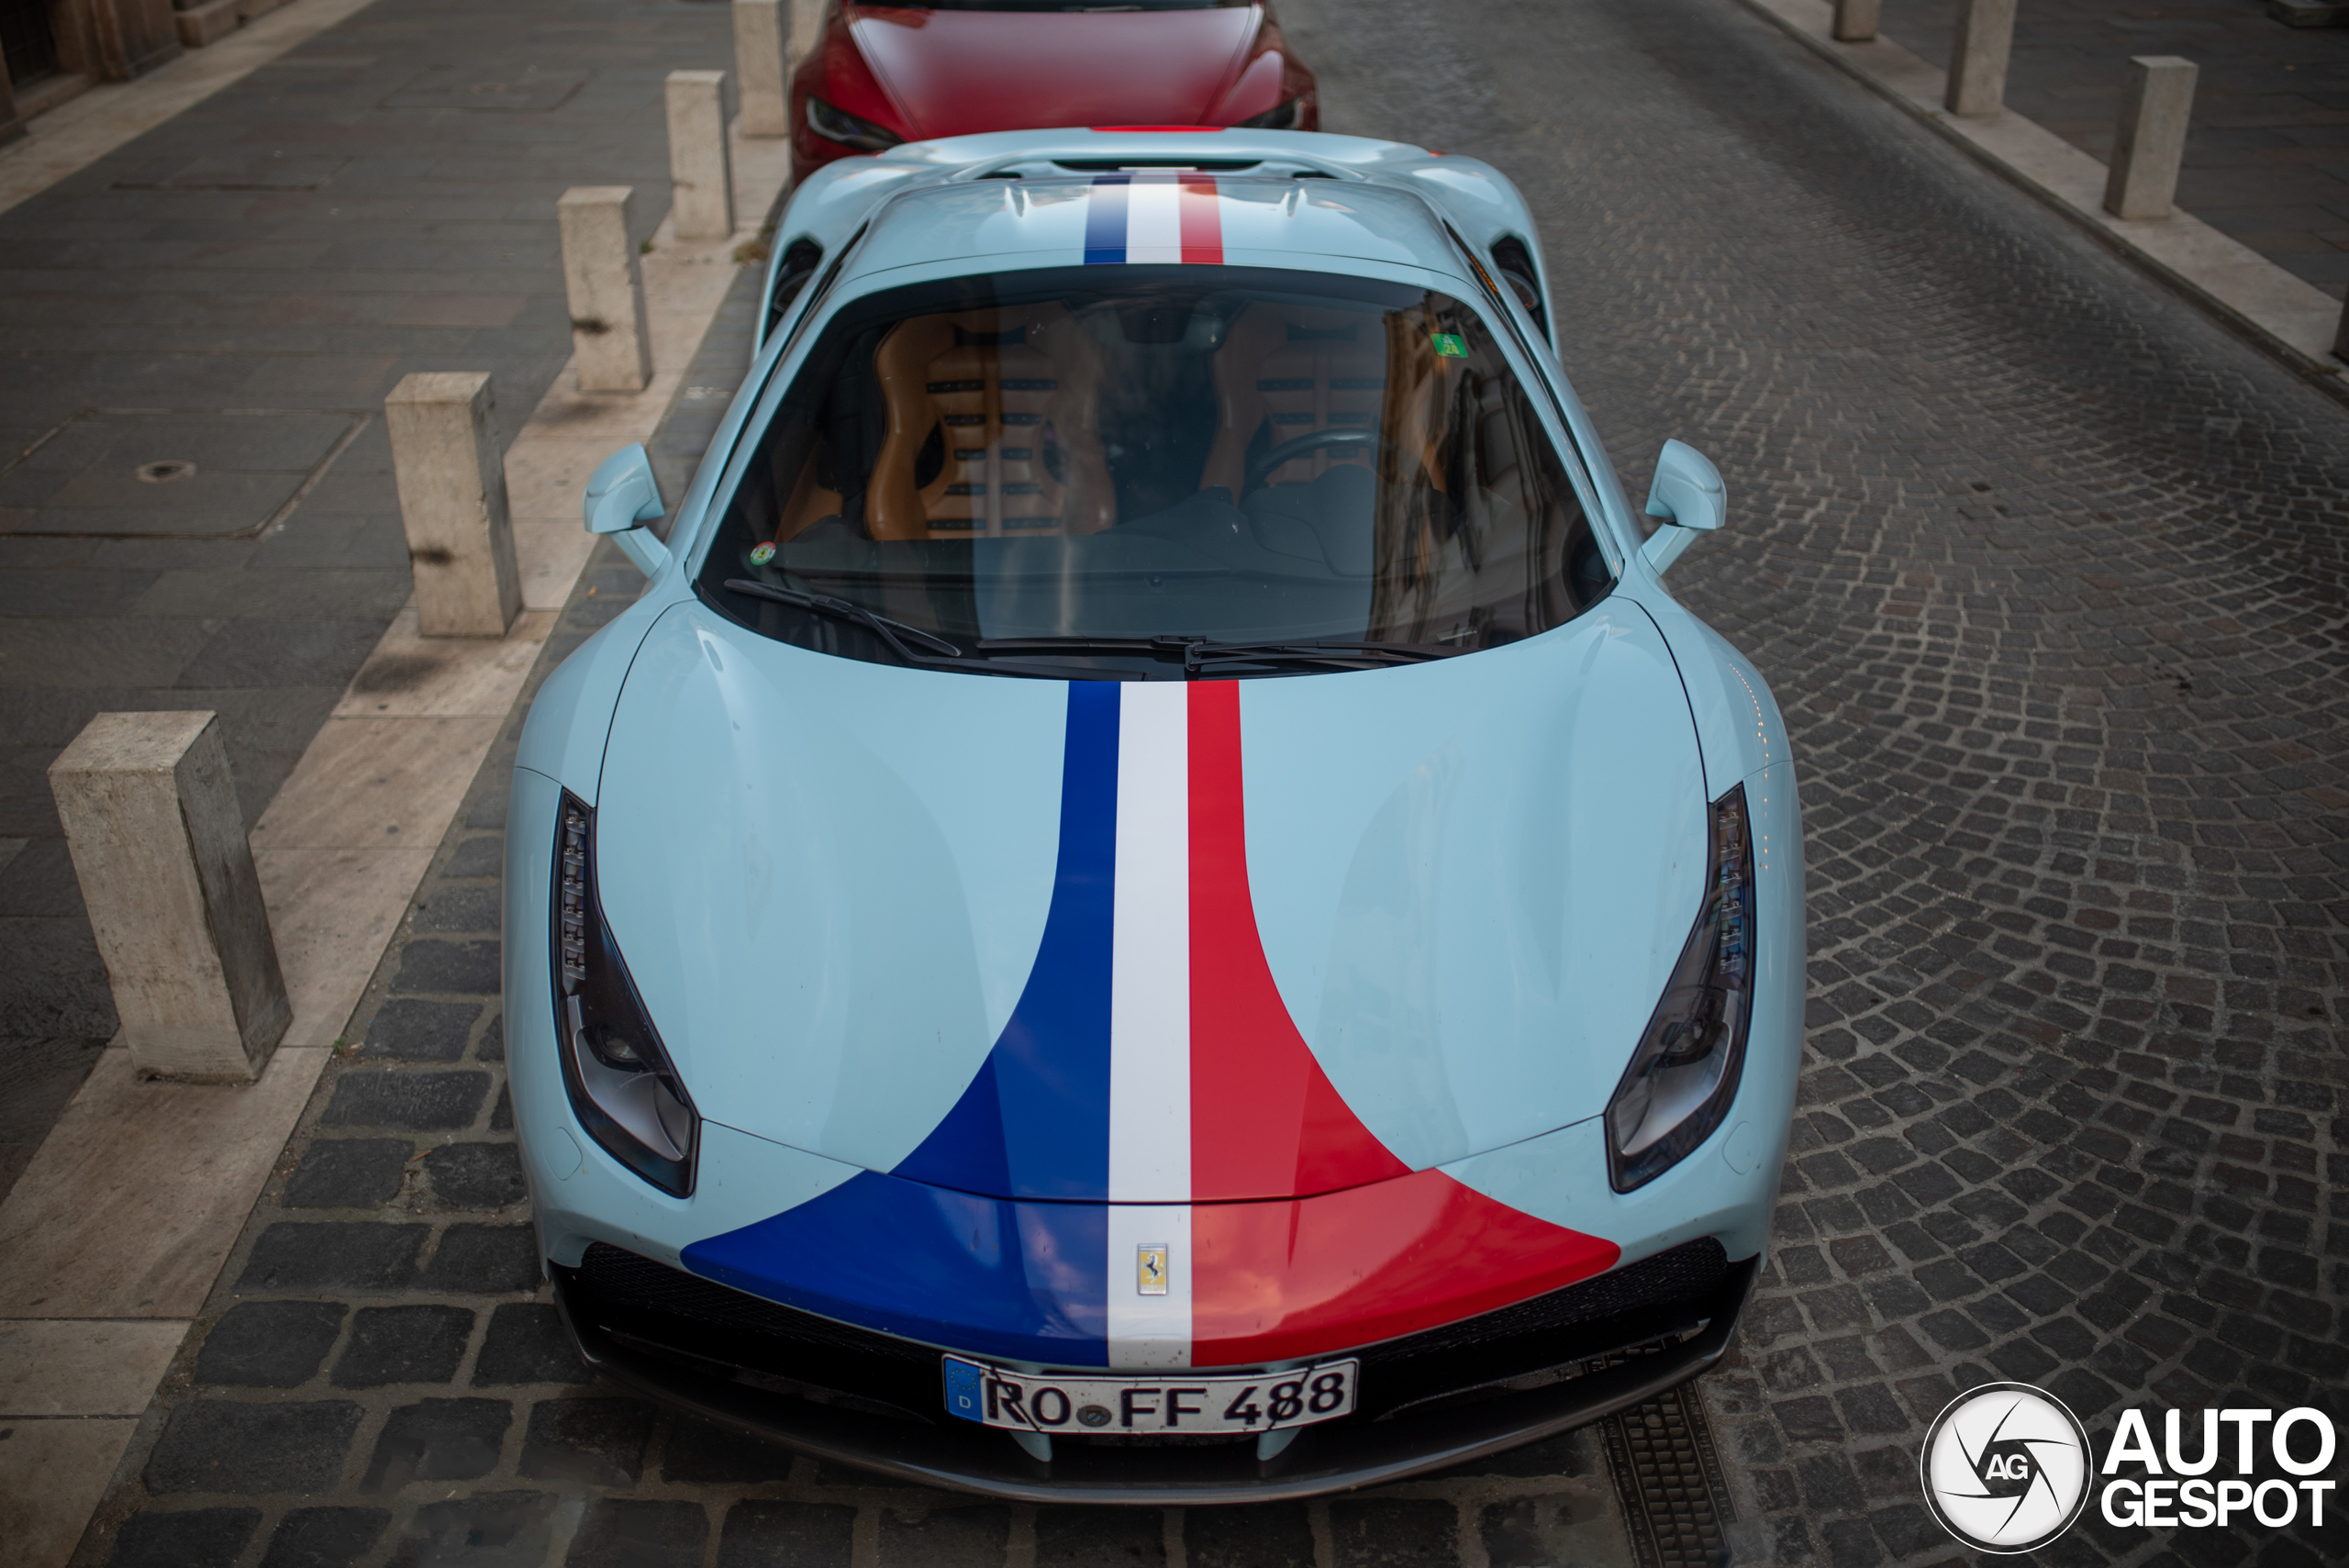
{"points": [[1687, 494]]}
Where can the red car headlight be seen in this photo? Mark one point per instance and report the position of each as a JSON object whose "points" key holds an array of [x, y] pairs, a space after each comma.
{"points": [[1280, 117], [838, 124]]}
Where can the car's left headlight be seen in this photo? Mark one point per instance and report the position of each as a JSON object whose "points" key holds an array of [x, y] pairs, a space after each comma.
{"points": [[1685, 1072], [623, 1087], [838, 125]]}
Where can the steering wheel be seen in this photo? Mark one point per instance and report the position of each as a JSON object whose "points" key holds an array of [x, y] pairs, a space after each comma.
{"points": [[1352, 440]]}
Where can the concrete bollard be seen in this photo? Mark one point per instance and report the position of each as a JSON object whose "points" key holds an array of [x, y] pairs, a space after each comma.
{"points": [[762, 46], [1855, 20], [452, 502], [2150, 143], [599, 272], [702, 199], [1977, 57], [159, 846]]}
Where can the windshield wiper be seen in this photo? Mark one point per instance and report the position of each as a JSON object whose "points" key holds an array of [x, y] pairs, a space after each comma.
{"points": [[1339, 655], [841, 609], [1158, 647], [1198, 652], [887, 630]]}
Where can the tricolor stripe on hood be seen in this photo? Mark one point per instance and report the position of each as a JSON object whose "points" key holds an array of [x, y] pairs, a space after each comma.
{"points": [[1151, 1088]]}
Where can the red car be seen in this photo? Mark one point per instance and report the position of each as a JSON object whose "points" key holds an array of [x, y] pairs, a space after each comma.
{"points": [[885, 73]]}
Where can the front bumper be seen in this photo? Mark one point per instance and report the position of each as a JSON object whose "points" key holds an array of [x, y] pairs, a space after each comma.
{"points": [[1451, 1394]]}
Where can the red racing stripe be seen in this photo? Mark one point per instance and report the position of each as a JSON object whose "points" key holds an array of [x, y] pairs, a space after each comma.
{"points": [[1265, 1121], [1202, 222], [1272, 1281], [1347, 1245]]}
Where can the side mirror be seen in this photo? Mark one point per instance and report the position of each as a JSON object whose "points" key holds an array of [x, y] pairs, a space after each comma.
{"points": [[622, 496], [1688, 495]]}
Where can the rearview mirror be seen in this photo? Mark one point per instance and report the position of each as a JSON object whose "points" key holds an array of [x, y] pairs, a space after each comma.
{"points": [[1688, 495], [622, 496]]}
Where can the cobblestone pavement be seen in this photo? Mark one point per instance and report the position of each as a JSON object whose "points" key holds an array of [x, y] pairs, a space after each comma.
{"points": [[238, 289], [2267, 161], [2048, 573]]}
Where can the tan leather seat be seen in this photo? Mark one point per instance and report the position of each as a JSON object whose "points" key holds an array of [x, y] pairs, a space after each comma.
{"points": [[1010, 398], [1304, 370]]}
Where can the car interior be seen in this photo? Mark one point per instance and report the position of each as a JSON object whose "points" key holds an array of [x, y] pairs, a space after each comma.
{"points": [[1169, 457]]}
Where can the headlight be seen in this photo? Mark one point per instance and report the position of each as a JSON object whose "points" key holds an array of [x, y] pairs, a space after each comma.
{"points": [[1685, 1074], [623, 1087], [838, 124], [1280, 117]]}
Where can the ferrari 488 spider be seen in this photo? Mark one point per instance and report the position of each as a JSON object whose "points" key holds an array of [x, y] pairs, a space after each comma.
{"points": [[1155, 902]]}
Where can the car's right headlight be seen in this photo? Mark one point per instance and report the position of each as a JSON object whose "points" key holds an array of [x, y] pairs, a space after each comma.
{"points": [[1685, 1072], [1280, 117], [838, 124], [623, 1087]]}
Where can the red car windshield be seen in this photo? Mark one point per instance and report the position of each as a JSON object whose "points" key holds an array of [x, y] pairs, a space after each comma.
{"points": [[1050, 5]]}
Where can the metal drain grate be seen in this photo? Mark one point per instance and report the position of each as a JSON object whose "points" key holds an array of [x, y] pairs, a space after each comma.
{"points": [[1669, 1478]]}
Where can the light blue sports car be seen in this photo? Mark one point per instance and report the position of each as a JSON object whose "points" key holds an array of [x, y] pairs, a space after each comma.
{"points": [[1156, 903]]}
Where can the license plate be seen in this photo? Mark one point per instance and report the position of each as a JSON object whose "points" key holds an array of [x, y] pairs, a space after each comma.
{"points": [[1170, 1402]]}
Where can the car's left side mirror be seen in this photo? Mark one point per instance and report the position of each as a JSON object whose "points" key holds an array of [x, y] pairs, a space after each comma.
{"points": [[622, 496], [1687, 494]]}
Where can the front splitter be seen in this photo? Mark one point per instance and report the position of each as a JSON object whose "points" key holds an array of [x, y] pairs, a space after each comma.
{"points": [[1336, 1458]]}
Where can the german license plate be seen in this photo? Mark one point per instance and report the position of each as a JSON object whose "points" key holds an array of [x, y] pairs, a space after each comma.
{"points": [[1169, 1402]]}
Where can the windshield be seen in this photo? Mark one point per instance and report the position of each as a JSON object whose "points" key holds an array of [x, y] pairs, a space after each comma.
{"points": [[1119, 468]]}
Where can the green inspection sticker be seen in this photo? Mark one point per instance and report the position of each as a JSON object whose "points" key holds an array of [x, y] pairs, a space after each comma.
{"points": [[760, 554], [1449, 344]]}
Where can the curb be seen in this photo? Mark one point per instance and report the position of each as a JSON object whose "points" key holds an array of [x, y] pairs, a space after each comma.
{"points": [[2273, 309]]}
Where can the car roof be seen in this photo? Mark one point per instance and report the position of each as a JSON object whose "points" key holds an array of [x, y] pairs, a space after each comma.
{"points": [[1156, 215]]}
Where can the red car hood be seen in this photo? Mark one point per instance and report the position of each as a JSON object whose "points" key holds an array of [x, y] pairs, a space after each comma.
{"points": [[958, 73]]}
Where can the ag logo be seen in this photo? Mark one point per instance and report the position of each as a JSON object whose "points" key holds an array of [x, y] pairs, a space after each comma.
{"points": [[2006, 1468]]}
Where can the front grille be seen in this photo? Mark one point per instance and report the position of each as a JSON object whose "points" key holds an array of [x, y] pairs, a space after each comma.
{"points": [[623, 1279], [721, 1332], [726, 1333], [1656, 1297]]}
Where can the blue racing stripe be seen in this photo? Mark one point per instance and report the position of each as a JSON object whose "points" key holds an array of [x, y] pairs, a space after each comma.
{"points": [[1022, 1281], [1035, 1122], [1105, 220], [934, 1251]]}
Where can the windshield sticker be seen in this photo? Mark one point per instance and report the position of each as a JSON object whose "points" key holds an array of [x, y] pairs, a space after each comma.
{"points": [[1449, 345], [1141, 217], [761, 553]]}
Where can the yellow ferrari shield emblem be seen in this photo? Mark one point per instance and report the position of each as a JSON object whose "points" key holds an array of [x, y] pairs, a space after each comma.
{"points": [[1150, 1269]]}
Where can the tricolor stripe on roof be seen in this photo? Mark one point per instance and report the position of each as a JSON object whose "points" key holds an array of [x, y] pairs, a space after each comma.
{"points": [[1154, 217]]}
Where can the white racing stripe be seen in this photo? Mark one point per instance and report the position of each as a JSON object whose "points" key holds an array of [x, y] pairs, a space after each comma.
{"points": [[1154, 223], [1150, 1026]]}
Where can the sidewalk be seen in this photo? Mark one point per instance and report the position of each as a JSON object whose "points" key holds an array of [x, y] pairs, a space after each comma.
{"points": [[2268, 160], [237, 290], [232, 293]]}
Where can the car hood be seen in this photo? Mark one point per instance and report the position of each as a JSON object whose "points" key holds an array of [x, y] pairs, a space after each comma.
{"points": [[956, 73], [1152, 942]]}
